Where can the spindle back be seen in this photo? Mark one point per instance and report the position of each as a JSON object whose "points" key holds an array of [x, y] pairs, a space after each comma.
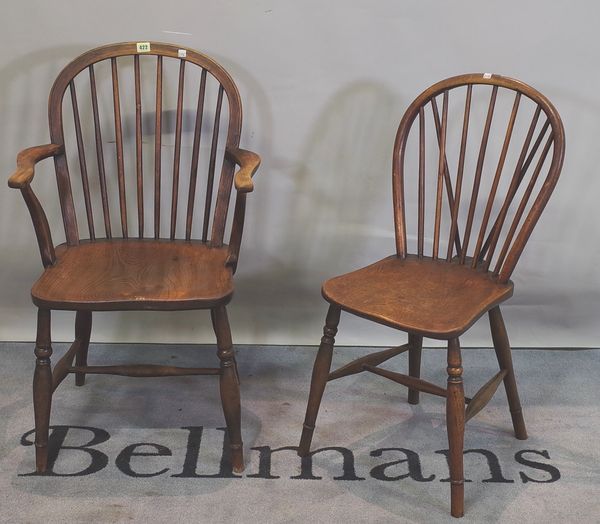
{"points": [[124, 93], [476, 200]]}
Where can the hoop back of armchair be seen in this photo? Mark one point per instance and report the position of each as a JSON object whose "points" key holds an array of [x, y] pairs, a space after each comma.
{"points": [[183, 130]]}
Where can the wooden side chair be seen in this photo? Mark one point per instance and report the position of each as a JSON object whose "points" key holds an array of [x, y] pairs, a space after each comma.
{"points": [[476, 202], [162, 254]]}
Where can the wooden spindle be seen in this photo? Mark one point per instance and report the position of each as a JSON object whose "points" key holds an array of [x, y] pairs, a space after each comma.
{"points": [[421, 223], [495, 182], [211, 165], [100, 154], [522, 205], [519, 172], [177, 155], [459, 174], [82, 162], [195, 156], [447, 179], [157, 146], [42, 230], [440, 184], [119, 147], [138, 146], [478, 171]]}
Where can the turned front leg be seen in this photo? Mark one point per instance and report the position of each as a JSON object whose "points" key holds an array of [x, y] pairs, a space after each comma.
{"points": [[455, 420], [42, 389], [320, 375]]}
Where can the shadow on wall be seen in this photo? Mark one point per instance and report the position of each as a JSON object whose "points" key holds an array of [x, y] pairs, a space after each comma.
{"points": [[24, 87], [25, 83], [336, 217]]}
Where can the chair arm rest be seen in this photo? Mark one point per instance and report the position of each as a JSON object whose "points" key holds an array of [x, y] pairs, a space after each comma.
{"points": [[248, 162], [21, 179], [26, 161]]}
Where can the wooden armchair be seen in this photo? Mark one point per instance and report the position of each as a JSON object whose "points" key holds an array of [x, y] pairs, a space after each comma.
{"points": [[484, 209], [181, 264]]}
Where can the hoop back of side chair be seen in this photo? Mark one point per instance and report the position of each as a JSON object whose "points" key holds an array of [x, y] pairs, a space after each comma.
{"points": [[211, 121], [483, 226]]}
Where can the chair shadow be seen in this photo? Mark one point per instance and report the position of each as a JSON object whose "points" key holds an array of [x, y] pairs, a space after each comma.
{"points": [[330, 220]]}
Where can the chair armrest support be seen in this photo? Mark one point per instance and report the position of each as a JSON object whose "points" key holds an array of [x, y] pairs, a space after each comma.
{"points": [[248, 162], [26, 161], [21, 179]]}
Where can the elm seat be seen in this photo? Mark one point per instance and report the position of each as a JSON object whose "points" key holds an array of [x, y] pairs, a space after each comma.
{"points": [[136, 274], [388, 291]]}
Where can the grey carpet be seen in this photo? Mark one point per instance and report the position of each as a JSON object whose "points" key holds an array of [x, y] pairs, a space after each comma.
{"points": [[552, 477]]}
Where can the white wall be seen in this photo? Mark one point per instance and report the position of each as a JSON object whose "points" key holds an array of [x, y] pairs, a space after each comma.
{"points": [[324, 85]]}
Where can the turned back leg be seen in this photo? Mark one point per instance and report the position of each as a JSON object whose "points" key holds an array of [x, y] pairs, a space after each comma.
{"points": [[83, 329], [503, 353], [414, 364]]}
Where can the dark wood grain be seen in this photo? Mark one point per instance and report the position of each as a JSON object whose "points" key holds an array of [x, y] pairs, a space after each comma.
{"points": [[82, 162], [421, 223], [408, 381], [42, 389], [415, 343], [100, 153], [455, 421], [139, 168], [519, 173], [484, 395], [26, 161], [119, 146], [320, 376], [503, 353], [459, 175], [135, 274], [450, 296], [229, 386], [112, 274], [495, 182], [158, 145], [195, 156], [440, 179], [177, 155], [211, 166], [144, 370], [443, 170], [478, 173], [83, 331], [441, 297], [373, 359]]}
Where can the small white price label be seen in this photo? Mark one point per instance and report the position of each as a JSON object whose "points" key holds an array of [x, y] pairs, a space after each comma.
{"points": [[181, 53], [143, 47]]}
